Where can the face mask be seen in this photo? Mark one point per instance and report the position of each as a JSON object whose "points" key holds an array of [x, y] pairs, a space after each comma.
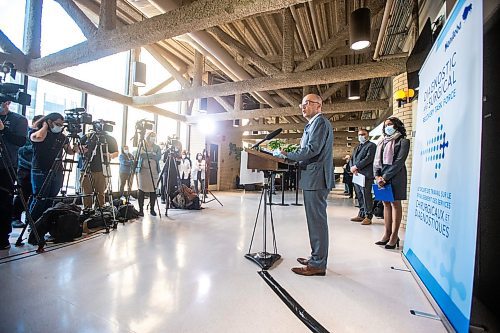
{"points": [[361, 138], [390, 130], [56, 129], [199, 158], [126, 151], [183, 156]]}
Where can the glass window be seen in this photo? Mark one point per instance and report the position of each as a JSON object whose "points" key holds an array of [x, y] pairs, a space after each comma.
{"points": [[47, 97], [108, 72], [59, 31], [155, 72], [12, 20]]}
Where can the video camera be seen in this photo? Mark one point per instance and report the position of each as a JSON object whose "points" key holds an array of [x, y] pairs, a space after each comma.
{"points": [[101, 126], [74, 120], [143, 125], [11, 91], [173, 146]]}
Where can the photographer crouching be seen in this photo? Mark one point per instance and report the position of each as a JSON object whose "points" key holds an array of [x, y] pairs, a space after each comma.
{"points": [[99, 148], [13, 127], [48, 141]]}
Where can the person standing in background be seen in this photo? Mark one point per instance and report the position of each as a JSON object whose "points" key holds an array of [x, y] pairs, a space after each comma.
{"points": [[347, 177], [199, 170], [148, 169], [362, 163], [389, 168], [126, 160], [185, 169]]}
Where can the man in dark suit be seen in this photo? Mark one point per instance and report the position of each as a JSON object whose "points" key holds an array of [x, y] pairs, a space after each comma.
{"points": [[316, 165], [362, 163]]}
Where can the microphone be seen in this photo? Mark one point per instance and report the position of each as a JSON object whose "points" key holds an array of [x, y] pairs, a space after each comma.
{"points": [[268, 137], [273, 134]]}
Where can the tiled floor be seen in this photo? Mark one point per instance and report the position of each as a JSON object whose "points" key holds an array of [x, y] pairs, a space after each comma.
{"points": [[187, 273]]}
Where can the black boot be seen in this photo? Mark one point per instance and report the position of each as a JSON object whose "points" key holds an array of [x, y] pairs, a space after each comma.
{"points": [[152, 202], [140, 198]]}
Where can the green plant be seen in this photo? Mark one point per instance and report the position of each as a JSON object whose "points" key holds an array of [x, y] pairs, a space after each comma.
{"points": [[275, 144], [291, 148]]}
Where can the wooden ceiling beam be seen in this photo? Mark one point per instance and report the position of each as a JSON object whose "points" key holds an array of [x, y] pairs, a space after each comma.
{"points": [[199, 15], [344, 73]]}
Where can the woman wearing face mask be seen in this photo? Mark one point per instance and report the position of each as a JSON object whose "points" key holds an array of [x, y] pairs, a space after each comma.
{"points": [[389, 168], [47, 141], [147, 166], [199, 168], [126, 161], [185, 169]]}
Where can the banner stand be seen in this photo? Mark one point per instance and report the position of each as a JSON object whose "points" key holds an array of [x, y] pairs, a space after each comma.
{"points": [[429, 297]]}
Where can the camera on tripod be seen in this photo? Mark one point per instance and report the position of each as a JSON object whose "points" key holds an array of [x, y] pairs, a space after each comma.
{"points": [[11, 91], [173, 147], [100, 126], [74, 120], [141, 126]]}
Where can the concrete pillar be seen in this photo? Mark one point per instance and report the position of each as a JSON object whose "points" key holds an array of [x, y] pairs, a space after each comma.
{"points": [[33, 28]]}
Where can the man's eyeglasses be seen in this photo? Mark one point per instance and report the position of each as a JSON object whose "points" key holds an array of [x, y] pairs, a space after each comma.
{"points": [[307, 102]]}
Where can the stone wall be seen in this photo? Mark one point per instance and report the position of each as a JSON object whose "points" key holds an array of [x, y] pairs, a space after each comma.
{"points": [[405, 113]]}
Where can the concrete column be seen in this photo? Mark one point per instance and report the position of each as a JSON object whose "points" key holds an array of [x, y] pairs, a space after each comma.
{"points": [[33, 28]]}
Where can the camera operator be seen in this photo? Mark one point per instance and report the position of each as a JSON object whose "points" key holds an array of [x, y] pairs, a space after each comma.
{"points": [[144, 173], [13, 127], [99, 139], [24, 157], [48, 141]]}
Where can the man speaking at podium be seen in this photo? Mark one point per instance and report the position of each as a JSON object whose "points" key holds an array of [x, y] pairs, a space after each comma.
{"points": [[316, 165]]}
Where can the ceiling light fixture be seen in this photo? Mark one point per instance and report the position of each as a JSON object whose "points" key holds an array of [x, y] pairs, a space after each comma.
{"points": [[360, 29], [139, 70], [353, 90]]}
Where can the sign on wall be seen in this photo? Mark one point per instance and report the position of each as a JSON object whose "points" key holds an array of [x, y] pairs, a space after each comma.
{"points": [[440, 240]]}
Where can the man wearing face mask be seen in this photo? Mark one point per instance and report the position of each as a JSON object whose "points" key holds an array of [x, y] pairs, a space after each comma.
{"points": [[13, 127], [103, 145], [362, 163], [47, 141], [185, 169]]}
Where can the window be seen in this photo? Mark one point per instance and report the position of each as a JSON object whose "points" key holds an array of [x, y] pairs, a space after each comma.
{"points": [[59, 31]]}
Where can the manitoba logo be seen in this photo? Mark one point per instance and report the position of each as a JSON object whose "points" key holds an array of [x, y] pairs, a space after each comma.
{"points": [[435, 150]]}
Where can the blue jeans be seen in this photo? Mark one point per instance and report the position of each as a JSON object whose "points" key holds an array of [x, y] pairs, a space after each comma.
{"points": [[38, 177]]}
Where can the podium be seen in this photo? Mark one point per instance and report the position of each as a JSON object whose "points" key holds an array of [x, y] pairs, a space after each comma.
{"points": [[269, 164]]}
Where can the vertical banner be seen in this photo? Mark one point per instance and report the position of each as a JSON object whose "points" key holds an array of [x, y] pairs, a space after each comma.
{"points": [[440, 240]]}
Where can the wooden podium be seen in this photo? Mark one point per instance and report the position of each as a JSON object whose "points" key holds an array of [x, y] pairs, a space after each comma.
{"points": [[265, 162], [269, 164]]}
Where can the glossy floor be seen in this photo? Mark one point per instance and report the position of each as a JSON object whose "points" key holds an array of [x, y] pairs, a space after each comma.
{"points": [[186, 273]]}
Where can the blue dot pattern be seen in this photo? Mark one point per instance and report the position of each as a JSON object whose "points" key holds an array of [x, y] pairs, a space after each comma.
{"points": [[435, 149]]}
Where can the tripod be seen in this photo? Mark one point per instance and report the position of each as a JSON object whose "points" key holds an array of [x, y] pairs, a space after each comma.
{"points": [[169, 164], [263, 258], [107, 174], [207, 181], [11, 173], [59, 167], [141, 145]]}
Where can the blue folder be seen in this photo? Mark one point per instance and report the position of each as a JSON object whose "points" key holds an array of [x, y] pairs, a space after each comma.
{"points": [[383, 193]]}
